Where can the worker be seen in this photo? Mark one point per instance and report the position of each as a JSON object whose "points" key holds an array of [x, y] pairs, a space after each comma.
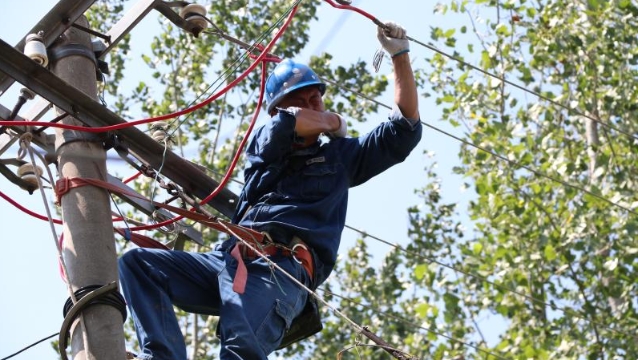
{"points": [[296, 194]]}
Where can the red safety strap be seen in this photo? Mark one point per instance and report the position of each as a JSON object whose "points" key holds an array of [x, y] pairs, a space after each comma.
{"points": [[141, 240], [241, 275], [64, 185]]}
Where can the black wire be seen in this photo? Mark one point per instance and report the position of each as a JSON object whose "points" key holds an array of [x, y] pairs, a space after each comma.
{"points": [[55, 120], [498, 156], [412, 324], [114, 299], [522, 88], [562, 309], [30, 346]]}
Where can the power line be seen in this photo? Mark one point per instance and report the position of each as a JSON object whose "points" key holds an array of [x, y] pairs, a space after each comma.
{"points": [[498, 156], [30, 346], [500, 78], [483, 278], [412, 324]]}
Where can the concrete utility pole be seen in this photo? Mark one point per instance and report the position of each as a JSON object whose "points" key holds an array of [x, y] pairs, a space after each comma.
{"points": [[89, 244]]}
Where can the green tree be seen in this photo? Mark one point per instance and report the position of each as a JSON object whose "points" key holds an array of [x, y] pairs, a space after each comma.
{"points": [[551, 162]]}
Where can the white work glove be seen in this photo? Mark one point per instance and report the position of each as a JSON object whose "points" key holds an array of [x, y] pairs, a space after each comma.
{"points": [[342, 131], [393, 39]]}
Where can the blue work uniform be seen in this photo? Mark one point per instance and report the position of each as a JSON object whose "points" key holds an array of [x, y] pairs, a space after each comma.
{"points": [[289, 191], [304, 192]]}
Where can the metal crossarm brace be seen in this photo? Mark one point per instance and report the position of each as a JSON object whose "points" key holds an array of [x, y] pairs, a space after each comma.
{"points": [[6, 140], [92, 113], [148, 208]]}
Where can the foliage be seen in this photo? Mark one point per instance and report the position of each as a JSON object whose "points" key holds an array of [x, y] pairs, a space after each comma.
{"points": [[554, 196]]}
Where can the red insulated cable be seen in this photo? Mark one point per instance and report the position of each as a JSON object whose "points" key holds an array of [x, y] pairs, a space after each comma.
{"points": [[34, 214], [132, 177], [229, 172], [355, 9], [260, 59], [231, 168]]}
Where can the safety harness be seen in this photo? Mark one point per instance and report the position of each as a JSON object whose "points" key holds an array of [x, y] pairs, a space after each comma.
{"points": [[250, 243]]}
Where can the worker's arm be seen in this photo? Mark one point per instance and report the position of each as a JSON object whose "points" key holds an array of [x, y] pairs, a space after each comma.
{"points": [[311, 123], [394, 40]]}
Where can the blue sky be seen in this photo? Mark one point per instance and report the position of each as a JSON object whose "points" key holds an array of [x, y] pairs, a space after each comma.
{"points": [[34, 293]]}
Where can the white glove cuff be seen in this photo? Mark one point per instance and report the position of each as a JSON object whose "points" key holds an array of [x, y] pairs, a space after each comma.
{"points": [[292, 110], [400, 52], [343, 128]]}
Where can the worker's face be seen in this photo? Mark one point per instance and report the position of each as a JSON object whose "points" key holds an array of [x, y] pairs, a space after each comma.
{"points": [[305, 98]]}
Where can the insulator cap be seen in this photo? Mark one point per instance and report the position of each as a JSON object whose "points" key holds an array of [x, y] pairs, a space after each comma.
{"points": [[34, 48]]}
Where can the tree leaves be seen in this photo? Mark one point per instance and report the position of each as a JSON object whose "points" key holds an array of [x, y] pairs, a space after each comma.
{"points": [[543, 234]]}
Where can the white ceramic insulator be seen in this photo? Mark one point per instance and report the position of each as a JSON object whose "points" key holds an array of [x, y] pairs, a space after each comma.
{"points": [[32, 180], [34, 48], [30, 174], [159, 135], [192, 8]]}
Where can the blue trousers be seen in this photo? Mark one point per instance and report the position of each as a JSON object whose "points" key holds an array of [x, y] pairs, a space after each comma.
{"points": [[251, 325]]}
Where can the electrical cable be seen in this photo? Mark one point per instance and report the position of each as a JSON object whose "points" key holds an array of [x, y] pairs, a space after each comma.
{"points": [[25, 210], [500, 78], [229, 172], [76, 310], [29, 346], [430, 259], [416, 326]]}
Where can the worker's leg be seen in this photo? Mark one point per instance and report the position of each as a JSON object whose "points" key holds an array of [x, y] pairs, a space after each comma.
{"points": [[155, 280], [253, 324]]}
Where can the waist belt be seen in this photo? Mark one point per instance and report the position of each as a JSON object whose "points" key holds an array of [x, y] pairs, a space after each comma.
{"points": [[298, 250]]}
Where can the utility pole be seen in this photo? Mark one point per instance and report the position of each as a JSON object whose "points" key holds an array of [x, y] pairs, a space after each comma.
{"points": [[89, 243]]}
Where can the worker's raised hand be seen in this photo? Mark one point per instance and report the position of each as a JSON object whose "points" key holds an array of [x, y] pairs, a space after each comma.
{"points": [[393, 39]]}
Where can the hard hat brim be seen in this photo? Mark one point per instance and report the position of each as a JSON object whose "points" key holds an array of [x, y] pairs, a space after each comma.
{"points": [[273, 103]]}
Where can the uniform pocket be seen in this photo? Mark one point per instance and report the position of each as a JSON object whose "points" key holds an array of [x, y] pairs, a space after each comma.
{"points": [[274, 326], [312, 182]]}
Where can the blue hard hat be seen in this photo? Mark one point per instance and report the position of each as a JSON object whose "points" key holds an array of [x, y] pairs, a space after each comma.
{"points": [[286, 77]]}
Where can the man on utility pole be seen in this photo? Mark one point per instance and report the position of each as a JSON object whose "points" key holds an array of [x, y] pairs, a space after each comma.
{"points": [[89, 245]]}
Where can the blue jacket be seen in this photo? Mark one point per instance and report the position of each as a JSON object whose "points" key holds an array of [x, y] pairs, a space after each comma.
{"points": [[304, 192]]}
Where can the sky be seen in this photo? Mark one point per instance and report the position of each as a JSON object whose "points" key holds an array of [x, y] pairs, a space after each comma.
{"points": [[33, 291]]}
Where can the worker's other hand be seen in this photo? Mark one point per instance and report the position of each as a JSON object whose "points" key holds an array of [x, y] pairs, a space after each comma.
{"points": [[393, 38], [342, 131]]}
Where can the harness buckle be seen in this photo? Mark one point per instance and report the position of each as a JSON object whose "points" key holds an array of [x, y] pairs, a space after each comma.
{"points": [[293, 251]]}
